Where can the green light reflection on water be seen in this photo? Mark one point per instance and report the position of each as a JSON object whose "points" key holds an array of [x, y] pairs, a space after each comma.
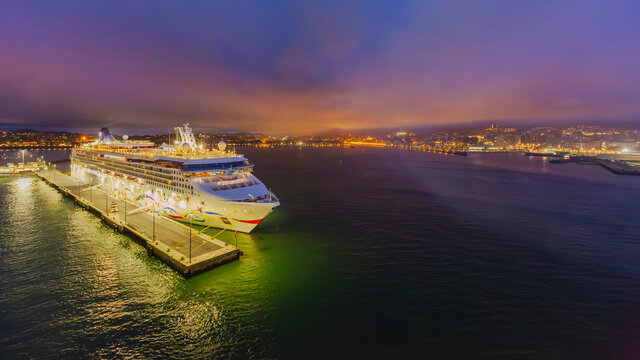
{"points": [[99, 291]]}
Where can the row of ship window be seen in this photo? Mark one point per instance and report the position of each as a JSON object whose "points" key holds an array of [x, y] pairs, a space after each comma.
{"points": [[214, 166], [177, 187], [138, 167], [186, 167], [234, 185], [188, 189], [133, 169], [185, 187]]}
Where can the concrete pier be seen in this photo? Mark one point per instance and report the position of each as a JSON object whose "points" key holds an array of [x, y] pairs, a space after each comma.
{"points": [[186, 250]]}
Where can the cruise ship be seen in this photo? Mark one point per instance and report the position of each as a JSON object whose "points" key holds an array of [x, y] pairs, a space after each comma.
{"points": [[183, 181]]}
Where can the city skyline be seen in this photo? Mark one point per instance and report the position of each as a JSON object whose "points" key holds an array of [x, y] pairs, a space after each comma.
{"points": [[292, 67], [583, 138]]}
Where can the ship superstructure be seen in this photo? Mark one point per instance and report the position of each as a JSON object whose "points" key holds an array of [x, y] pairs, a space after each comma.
{"points": [[183, 181]]}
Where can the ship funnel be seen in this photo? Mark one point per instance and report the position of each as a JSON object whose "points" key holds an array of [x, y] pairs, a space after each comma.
{"points": [[105, 136]]}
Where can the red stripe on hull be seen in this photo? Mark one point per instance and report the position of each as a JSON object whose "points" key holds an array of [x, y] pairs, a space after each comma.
{"points": [[249, 221]]}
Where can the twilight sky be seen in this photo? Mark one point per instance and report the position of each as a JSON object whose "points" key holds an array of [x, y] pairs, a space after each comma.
{"points": [[302, 66]]}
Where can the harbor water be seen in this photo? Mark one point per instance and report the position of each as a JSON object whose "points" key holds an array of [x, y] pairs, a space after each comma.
{"points": [[374, 253]]}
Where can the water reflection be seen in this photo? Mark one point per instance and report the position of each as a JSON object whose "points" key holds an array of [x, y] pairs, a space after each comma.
{"points": [[21, 204], [373, 250]]}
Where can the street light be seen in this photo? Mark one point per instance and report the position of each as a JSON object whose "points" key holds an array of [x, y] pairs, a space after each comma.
{"points": [[153, 214], [190, 217]]}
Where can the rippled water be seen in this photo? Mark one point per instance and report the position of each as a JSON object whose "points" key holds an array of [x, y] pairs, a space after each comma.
{"points": [[373, 253]]}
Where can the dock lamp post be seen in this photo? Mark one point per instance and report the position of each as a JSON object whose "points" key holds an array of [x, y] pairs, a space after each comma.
{"points": [[153, 215], [190, 217]]}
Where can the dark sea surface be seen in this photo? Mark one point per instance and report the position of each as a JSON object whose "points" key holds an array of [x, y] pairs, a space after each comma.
{"points": [[374, 253]]}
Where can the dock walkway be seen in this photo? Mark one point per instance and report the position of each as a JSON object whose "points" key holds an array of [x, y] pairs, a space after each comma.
{"points": [[181, 247]]}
